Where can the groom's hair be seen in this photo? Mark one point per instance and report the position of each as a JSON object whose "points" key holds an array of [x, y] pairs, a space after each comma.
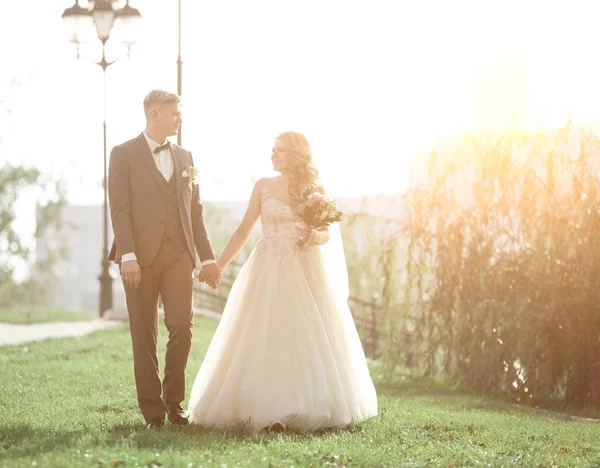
{"points": [[161, 97]]}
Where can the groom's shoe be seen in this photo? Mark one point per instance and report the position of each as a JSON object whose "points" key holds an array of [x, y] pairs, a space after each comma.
{"points": [[156, 423], [176, 415]]}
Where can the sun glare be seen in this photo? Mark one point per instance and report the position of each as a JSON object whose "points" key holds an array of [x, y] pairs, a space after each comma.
{"points": [[373, 86]]}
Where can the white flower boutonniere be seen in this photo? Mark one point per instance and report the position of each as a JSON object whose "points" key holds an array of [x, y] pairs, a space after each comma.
{"points": [[192, 173]]}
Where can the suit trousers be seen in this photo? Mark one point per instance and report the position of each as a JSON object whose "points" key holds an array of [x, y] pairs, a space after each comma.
{"points": [[170, 275]]}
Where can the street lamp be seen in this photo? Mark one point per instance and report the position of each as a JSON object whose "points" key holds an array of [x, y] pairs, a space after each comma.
{"points": [[126, 21]]}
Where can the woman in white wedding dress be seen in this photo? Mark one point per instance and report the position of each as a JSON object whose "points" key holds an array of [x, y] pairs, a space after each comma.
{"points": [[286, 352]]}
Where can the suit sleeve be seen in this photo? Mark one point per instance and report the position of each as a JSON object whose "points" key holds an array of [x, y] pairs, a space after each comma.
{"points": [[119, 198], [201, 240]]}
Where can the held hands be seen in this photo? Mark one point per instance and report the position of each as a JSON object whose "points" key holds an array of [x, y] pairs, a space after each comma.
{"points": [[211, 274], [131, 274]]}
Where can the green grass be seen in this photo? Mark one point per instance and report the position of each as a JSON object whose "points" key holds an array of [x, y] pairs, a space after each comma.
{"points": [[72, 403], [41, 314]]}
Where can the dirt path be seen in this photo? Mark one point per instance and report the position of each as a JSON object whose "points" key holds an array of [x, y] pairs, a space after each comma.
{"points": [[11, 334]]}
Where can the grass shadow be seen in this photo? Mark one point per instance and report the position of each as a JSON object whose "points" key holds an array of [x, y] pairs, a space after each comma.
{"points": [[195, 437], [420, 386], [466, 399], [23, 440]]}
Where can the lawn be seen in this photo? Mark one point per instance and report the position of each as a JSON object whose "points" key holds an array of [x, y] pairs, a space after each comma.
{"points": [[72, 403], [40, 314]]}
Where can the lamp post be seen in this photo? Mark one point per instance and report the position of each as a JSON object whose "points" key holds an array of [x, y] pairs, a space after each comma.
{"points": [[126, 20]]}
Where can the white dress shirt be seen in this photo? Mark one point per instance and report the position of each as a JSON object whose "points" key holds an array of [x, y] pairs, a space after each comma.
{"points": [[162, 159], [164, 163]]}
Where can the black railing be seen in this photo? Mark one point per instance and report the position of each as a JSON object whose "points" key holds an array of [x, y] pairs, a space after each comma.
{"points": [[365, 317], [364, 312]]}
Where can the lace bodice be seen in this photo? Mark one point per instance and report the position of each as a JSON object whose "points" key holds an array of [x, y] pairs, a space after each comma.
{"points": [[279, 231], [277, 217]]}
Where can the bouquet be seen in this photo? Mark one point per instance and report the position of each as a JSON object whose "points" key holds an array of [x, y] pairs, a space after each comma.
{"points": [[317, 211]]}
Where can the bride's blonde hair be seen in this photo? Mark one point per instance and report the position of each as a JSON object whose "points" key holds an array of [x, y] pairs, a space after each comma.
{"points": [[303, 173]]}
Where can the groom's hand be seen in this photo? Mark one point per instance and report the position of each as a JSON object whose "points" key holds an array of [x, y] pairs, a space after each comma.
{"points": [[211, 275], [131, 274]]}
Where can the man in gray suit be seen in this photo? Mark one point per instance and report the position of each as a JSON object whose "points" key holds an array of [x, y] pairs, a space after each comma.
{"points": [[158, 227]]}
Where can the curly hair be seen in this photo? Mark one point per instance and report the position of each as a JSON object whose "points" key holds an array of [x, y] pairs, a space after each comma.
{"points": [[304, 175]]}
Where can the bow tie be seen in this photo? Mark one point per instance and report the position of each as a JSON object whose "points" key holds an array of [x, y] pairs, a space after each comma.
{"points": [[166, 146]]}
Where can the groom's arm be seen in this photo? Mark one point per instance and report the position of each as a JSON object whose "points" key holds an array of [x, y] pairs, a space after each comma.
{"points": [[120, 200], [201, 240]]}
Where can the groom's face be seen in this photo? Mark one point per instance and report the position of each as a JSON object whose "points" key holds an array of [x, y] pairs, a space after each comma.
{"points": [[167, 118]]}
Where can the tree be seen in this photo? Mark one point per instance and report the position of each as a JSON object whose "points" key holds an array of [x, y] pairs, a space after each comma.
{"points": [[50, 194], [15, 180]]}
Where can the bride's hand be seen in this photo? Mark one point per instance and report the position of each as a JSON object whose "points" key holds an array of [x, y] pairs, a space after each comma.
{"points": [[305, 232]]}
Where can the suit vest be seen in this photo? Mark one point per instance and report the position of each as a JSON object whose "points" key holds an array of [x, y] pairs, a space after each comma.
{"points": [[173, 227]]}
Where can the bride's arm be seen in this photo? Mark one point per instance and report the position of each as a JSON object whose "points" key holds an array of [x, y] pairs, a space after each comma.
{"points": [[318, 236], [321, 236], [241, 235]]}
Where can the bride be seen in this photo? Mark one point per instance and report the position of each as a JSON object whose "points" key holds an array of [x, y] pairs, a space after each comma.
{"points": [[286, 353]]}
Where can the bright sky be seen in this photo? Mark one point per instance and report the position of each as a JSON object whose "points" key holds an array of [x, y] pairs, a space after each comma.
{"points": [[371, 83]]}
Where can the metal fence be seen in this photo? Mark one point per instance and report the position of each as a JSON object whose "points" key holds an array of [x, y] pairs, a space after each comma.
{"points": [[363, 311]]}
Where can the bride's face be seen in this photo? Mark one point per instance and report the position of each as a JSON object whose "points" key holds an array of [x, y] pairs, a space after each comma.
{"points": [[279, 156]]}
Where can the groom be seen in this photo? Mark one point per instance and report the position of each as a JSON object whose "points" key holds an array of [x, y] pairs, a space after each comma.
{"points": [[158, 227]]}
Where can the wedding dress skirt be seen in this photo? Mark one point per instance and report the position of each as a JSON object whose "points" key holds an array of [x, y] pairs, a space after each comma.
{"points": [[286, 349]]}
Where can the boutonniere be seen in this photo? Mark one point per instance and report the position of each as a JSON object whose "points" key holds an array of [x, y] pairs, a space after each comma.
{"points": [[192, 173]]}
